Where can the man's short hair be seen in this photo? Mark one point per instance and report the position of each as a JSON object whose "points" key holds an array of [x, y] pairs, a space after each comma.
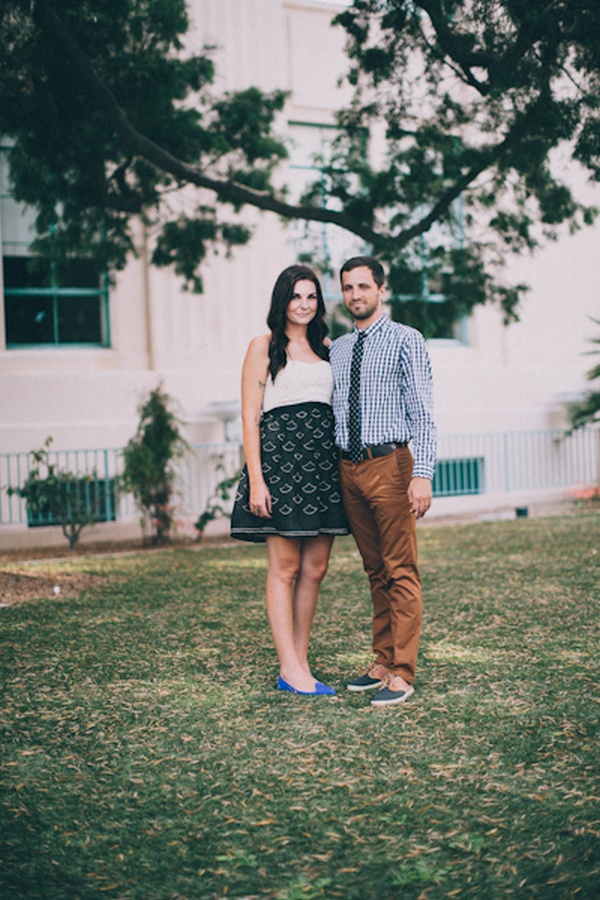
{"points": [[370, 262]]}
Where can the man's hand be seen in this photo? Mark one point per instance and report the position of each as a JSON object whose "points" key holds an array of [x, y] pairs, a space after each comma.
{"points": [[419, 496]]}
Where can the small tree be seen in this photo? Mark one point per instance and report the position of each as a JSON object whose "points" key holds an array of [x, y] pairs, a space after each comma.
{"points": [[587, 411], [149, 456], [58, 495]]}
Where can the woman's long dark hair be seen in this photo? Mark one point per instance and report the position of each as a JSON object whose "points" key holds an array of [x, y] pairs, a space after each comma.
{"points": [[277, 318]]}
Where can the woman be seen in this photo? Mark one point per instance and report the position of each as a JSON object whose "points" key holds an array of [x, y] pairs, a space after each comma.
{"points": [[289, 494]]}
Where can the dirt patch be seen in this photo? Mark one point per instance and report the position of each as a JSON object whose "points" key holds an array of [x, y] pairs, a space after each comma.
{"points": [[18, 587], [101, 548], [20, 582]]}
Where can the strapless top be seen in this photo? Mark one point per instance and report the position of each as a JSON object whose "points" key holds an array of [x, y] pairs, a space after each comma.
{"points": [[299, 382]]}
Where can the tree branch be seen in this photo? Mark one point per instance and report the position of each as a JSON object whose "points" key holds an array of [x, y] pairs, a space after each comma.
{"points": [[229, 191], [488, 157], [233, 192], [454, 46]]}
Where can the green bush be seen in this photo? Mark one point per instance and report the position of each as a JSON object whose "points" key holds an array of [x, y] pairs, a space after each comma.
{"points": [[149, 472], [58, 496]]}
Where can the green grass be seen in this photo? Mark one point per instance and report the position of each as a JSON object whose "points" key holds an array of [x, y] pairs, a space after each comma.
{"points": [[145, 753]]}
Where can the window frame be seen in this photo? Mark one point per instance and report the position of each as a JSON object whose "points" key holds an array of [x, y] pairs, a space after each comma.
{"points": [[460, 327], [55, 293], [425, 295], [20, 248], [331, 294]]}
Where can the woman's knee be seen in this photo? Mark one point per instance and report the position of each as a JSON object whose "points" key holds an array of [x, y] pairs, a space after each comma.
{"points": [[314, 566], [284, 559], [285, 568], [313, 572]]}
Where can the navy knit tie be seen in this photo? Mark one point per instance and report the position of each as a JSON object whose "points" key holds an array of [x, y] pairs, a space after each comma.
{"points": [[355, 443]]}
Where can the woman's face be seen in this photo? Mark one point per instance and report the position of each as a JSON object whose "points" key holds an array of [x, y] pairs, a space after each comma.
{"points": [[302, 307]]}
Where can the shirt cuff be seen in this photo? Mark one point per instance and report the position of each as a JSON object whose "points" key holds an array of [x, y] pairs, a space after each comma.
{"points": [[422, 470]]}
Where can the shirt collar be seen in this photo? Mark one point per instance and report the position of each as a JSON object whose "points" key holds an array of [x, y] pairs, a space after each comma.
{"points": [[374, 327]]}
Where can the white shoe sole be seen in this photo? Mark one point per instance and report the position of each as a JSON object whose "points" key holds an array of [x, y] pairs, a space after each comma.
{"points": [[365, 687]]}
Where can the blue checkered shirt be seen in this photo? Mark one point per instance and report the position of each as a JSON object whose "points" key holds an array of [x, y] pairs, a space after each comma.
{"points": [[395, 390]]}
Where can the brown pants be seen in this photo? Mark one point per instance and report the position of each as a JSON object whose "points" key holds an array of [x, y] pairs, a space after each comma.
{"points": [[376, 503]]}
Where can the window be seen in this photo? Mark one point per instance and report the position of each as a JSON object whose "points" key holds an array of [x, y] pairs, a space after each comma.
{"points": [[47, 303], [98, 497], [419, 294], [454, 477], [51, 305], [320, 244]]}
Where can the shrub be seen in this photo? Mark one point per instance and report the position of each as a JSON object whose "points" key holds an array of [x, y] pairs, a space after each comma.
{"points": [[149, 472], [58, 495]]}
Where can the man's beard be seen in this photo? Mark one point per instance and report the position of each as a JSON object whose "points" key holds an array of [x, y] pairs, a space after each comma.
{"points": [[364, 314]]}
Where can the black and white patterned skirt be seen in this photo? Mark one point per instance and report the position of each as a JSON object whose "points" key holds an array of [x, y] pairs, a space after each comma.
{"points": [[300, 467]]}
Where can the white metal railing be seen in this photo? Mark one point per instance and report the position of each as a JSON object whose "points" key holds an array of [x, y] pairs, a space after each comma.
{"points": [[197, 474], [505, 462], [487, 463]]}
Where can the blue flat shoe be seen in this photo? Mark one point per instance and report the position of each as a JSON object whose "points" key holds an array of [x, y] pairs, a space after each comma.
{"points": [[321, 690]]}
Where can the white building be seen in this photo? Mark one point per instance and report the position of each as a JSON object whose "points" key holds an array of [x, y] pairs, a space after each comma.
{"points": [[492, 379]]}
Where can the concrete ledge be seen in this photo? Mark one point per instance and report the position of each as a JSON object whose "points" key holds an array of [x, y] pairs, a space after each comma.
{"points": [[487, 507]]}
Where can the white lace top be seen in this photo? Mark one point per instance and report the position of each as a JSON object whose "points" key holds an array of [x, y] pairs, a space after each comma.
{"points": [[299, 382]]}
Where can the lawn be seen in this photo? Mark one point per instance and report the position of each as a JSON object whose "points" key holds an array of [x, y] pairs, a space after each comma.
{"points": [[145, 753]]}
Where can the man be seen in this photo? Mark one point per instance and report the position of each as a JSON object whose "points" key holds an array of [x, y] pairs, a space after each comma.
{"points": [[386, 404]]}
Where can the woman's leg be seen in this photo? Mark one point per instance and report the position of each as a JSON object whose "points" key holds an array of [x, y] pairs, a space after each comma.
{"points": [[284, 556], [314, 560]]}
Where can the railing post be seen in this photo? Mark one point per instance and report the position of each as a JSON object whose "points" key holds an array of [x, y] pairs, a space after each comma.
{"points": [[108, 511], [506, 463]]}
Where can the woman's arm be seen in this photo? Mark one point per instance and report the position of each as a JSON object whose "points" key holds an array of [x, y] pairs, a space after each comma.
{"points": [[254, 379]]}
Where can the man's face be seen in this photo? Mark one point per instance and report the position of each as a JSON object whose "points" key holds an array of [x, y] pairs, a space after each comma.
{"points": [[362, 297]]}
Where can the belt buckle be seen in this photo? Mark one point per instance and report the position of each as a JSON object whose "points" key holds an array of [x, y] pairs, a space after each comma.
{"points": [[378, 450]]}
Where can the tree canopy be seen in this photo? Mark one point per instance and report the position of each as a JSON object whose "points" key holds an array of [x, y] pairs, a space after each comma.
{"points": [[477, 97], [107, 116]]}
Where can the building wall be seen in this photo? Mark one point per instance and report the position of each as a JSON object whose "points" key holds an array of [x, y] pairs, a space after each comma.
{"points": [[522, 376], [502, 379]]}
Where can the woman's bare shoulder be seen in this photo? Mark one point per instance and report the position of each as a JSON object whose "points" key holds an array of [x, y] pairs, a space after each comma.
{"points": [[258, 348], [261, 342]]}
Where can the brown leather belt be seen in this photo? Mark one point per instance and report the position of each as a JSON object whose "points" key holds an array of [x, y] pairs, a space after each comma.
{"points": [[372, 451]]}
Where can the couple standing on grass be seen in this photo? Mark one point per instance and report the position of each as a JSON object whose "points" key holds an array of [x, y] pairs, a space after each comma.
{"points": [[326, 428]]}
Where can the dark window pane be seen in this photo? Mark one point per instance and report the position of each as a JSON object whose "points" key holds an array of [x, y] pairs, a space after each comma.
{"points": [[28, 320], [79, 273], [405, 281], [34, 271], [25, 272], [79, 320], [440, 282], [434, 320], [60, 318]]}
